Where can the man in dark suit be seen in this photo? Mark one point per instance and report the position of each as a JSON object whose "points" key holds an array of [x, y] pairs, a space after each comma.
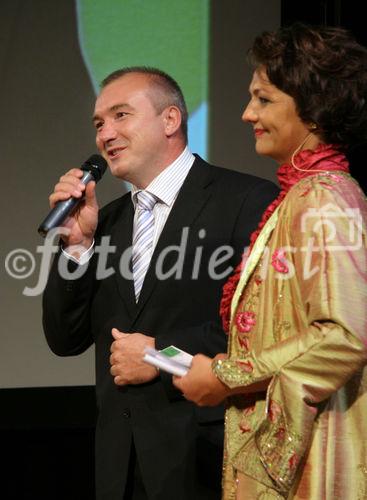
{"points": [[150, 443]]}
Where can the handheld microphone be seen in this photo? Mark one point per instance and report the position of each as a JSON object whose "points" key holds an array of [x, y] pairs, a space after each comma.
{"points": [[93, 169]]}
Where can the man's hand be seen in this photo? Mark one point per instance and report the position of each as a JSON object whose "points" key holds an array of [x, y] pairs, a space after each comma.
{"points": [[127, 352], [82, 223], [200, 385]]}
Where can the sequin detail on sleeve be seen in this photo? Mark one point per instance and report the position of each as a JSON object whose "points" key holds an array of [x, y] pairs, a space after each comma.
{"points": [[281, 449], [234, 373]]}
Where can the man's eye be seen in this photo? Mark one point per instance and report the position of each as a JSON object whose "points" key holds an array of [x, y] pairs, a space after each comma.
{"points": [[98, 125], [121, 114]]}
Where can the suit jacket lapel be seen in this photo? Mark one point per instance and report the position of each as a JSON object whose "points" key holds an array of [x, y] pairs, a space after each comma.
{"points": [[190, 201], [121, 237]]}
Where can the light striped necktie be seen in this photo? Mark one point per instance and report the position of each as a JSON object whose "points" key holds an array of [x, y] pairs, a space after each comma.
{"points": [[143, 238]]}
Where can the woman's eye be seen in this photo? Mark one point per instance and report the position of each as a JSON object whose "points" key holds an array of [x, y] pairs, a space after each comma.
{"points": [[263, 100]]}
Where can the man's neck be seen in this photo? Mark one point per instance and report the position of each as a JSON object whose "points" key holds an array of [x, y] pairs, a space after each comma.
{"points": [[159, 166]]}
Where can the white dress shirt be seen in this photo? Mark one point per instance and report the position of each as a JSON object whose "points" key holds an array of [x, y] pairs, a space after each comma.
{"points": [[165, 187]]}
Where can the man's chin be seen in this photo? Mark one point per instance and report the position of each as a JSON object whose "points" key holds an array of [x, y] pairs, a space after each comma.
{"points": [[118, 168]]}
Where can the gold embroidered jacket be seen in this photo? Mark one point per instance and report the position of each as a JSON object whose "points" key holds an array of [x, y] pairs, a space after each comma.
{"points": [[299, 318]]}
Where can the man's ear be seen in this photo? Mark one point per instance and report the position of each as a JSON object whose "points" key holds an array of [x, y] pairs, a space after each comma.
{"points": [[172, 120]]}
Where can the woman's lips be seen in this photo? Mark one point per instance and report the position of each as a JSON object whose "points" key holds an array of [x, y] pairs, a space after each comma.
{"points": [[259, 131]]}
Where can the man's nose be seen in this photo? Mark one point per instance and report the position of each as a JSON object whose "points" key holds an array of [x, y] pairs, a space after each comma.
{"points": [[107, 132]]}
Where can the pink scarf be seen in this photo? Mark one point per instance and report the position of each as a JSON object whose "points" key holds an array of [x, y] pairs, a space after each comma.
{"points": [[325, 157]]}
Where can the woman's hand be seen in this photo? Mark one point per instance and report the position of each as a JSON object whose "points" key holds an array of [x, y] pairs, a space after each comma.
{"points": [[200, 385]]}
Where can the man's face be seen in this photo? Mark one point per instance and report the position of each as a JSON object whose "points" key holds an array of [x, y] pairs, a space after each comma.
{"points": [[130, 135]]}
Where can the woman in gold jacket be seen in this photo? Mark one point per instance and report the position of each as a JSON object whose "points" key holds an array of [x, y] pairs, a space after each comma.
{"points": [[295, 376]]}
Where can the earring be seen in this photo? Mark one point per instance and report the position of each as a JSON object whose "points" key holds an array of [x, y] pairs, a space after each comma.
{"points": [[313, 126]]}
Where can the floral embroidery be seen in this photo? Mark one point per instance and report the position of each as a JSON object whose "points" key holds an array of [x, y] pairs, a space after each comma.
{"points": [[330, 180], [278, 261], [335, 178], [228, 291], [233, 373], [247, 413], [249, 410], [274, 411], [245, 366], [326, 186], [281, 448], [280, 433], [244, 427], [252, 300], [244, 343], [326, 156], [258, 280], [293, 461], [305, 192], [245, 321]]}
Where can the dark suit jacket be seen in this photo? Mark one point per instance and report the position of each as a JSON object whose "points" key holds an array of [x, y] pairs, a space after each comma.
{"points": [[166, 430]]}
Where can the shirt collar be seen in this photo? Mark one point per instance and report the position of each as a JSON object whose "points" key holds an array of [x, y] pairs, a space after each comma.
{"points": [[168, 183]]}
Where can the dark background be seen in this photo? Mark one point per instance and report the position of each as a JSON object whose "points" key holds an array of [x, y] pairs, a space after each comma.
{"points": [[344, 13]]}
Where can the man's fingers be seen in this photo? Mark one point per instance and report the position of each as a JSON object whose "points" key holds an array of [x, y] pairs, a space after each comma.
{"points": [[117, 335], [70, 180], [90, 194], [75, 172], [68, 185], [56, 197], [119, 380], [177, 381]]}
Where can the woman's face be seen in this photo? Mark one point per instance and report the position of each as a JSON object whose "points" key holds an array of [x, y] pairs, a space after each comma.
{"points": [[278, 129]]}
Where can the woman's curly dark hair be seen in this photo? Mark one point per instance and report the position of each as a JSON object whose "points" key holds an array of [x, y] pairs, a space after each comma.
{"points": [[324, 69]]}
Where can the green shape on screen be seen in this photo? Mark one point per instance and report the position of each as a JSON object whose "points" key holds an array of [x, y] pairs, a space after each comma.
{"points": [[169, 34]]}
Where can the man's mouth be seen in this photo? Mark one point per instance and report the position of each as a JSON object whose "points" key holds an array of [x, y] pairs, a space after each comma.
{"points": [[114, 152]]}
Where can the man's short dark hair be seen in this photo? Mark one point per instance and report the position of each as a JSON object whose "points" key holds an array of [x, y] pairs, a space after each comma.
{"points": [[167, 92]]}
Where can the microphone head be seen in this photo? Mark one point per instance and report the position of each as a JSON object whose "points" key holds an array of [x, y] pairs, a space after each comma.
{"points": [[96, 165]]}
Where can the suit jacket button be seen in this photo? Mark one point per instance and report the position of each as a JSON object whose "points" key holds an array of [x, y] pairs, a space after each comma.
{"points": [[126, 413]]}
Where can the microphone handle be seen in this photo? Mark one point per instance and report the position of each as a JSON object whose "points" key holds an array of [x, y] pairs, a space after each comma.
{"points": [[62, 209]]}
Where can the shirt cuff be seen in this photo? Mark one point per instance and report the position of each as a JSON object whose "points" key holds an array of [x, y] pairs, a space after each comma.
{"points": [[84, 256]]}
